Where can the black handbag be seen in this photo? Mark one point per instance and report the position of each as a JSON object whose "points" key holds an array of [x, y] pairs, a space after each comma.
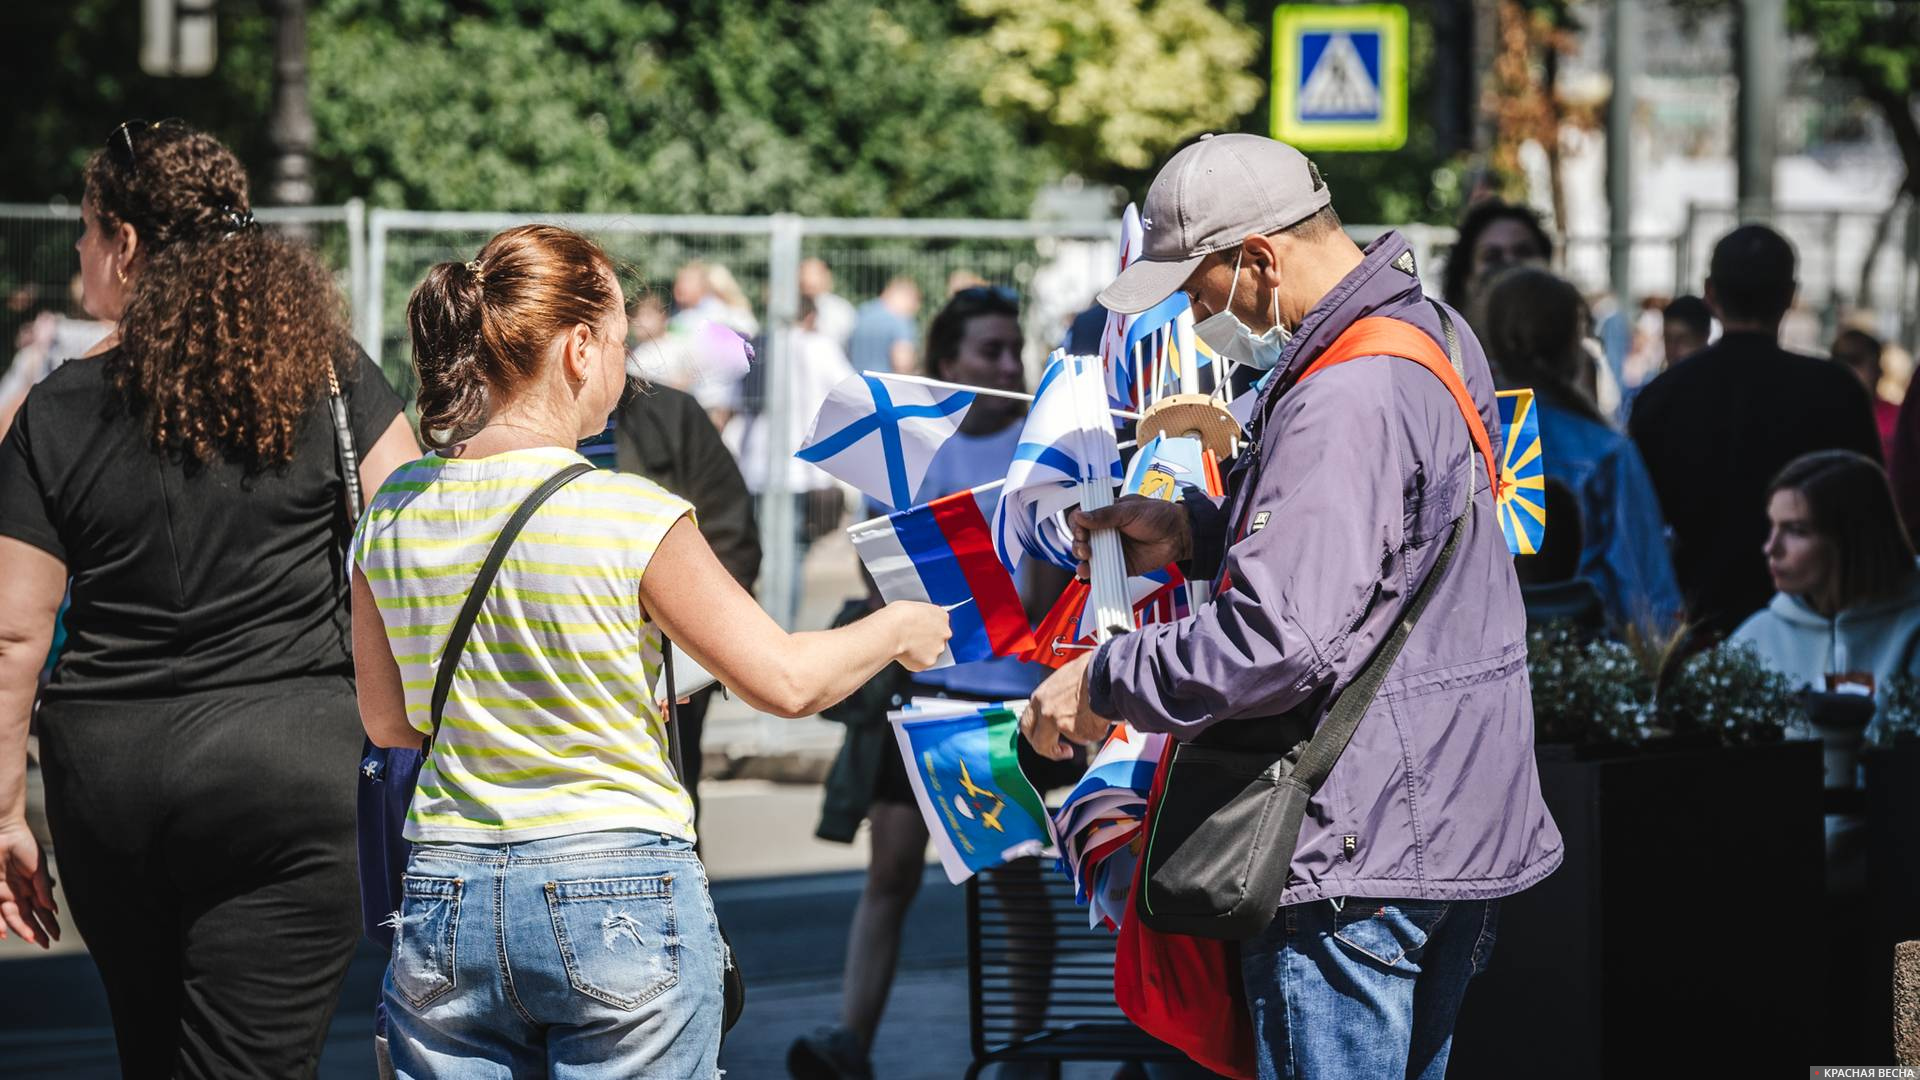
{"points": [[734, 985], [1220, 841]]}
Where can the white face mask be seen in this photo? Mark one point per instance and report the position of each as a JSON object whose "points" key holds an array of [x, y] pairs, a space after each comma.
{"points": [[1226, 335]]}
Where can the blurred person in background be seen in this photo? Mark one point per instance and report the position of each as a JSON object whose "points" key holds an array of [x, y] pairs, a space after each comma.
{"points": [[974, 339], [884, 329], [199, 739], [1861, 353], [833, 314], [1534, 325], [1551, 585], [960, 281], [818, 366], [1715, 430], [1686, 326], [1846, 613], [1493, 236], [663, 434], [42, 345]]}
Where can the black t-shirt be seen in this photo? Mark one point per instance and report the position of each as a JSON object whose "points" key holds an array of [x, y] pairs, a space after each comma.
{"points": [[186, 577]]}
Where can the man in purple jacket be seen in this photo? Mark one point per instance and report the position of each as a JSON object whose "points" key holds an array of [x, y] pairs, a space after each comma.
{"points": [[1347, 488]]}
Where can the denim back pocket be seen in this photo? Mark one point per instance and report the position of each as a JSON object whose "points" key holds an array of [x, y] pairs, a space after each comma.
{"points": [[617, 937], [423, 939], [1389, 932]]}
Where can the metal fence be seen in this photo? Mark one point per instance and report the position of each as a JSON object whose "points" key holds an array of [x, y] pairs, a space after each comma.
{"points": [[380, 255], [1056, 268], [39, 268]]}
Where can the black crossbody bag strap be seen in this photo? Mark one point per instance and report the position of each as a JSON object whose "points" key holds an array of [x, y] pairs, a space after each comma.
{"points": [[477, 595]]}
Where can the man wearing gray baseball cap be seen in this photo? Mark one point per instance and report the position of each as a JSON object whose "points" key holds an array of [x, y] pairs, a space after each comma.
{"points": [[1357, 543]]}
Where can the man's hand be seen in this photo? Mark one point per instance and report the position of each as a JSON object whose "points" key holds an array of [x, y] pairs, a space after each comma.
{"points": [[1058, 710], [1153, 533]]}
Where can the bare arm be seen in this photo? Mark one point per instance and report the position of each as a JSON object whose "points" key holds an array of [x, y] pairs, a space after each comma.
{"points": [[707, 613], [31, 585], [394, 448], [383, 703]]}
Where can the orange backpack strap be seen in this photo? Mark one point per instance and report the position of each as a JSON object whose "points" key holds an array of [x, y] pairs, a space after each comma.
{"points": [[1380, 336]]}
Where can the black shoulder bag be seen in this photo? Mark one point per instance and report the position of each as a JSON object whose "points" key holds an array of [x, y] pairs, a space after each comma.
{"points": [[1220, 841]]}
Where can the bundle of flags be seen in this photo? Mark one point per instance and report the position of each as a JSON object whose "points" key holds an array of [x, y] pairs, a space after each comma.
{"points": [[963, 763], [1121, 392], [1064, 442], [1159, 596], [1099, 823]]}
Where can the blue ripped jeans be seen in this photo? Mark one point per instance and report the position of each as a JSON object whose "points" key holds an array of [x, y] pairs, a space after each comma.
{"points": [[576, 957], [1363, 988]]}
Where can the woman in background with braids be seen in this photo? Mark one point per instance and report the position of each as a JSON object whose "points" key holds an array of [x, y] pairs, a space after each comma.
{"points": [[199, 738]]}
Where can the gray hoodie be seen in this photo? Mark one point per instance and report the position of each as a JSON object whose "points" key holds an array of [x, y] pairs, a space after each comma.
{"points": [[1881, 637], [1358, 480]]}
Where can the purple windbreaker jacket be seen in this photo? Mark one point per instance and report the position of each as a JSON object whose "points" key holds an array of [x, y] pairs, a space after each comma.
{"points": [[1360, 478]]}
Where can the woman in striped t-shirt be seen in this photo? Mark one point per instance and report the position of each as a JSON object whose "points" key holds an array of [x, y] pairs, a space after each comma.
{"points": [[556, 918]]}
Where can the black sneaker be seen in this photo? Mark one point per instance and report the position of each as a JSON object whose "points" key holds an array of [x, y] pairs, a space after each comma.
{"points": [[828, 1054]]}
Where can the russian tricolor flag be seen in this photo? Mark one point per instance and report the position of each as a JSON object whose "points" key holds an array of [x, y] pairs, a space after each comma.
{"points": [[942, 553]]}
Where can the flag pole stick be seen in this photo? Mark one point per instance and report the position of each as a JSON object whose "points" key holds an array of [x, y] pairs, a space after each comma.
{"points": [[942, 384], [992, 485], [1108, 569]]}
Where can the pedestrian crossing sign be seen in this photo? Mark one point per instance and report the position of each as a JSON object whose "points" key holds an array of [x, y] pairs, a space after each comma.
{"points": [[1340, 76]]}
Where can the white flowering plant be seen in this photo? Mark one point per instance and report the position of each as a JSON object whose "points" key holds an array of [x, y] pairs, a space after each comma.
{"points": [[1897, 721], [1587, 691], [1597, 692]]}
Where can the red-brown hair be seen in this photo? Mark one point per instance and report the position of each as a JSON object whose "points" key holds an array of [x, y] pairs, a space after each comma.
{"points": [[481, 329], [229, 331]]}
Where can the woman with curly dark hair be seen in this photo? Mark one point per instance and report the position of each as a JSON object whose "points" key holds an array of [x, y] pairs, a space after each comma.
{"points": [[199, 737]]}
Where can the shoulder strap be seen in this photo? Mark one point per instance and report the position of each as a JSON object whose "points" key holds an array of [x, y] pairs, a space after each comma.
{"points": [[1381, 336], [1330, 738], [345, 452], [477, 595]]}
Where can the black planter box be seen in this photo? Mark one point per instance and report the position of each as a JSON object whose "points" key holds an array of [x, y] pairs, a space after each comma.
{"points": [[1682, 929]]}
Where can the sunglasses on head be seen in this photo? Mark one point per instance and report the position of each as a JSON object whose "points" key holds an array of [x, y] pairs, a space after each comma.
{"points": [[120, 144]]}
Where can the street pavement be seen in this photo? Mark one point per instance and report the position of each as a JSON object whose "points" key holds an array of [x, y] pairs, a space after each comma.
{"points": [[784, 896]]}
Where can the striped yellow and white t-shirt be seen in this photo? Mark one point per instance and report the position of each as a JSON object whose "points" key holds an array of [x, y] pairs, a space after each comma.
{"points": [[550, 727]]}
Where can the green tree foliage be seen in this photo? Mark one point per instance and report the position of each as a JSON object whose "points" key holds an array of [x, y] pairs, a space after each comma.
{"points": [[1876, 45], [72, 74], [1116, 84], [728, 107]]}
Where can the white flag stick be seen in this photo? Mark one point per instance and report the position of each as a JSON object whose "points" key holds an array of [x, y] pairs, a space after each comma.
{"points": [[941, 384], [992, 485], [1108, 569]]}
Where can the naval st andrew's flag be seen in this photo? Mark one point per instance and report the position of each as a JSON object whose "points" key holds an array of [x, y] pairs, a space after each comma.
{"points": [[941, 553], [880, 436], [963, 762]]}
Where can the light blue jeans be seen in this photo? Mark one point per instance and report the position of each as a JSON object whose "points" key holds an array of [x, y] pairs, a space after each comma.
{"points": [[1363, 988], [577, 957]]}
